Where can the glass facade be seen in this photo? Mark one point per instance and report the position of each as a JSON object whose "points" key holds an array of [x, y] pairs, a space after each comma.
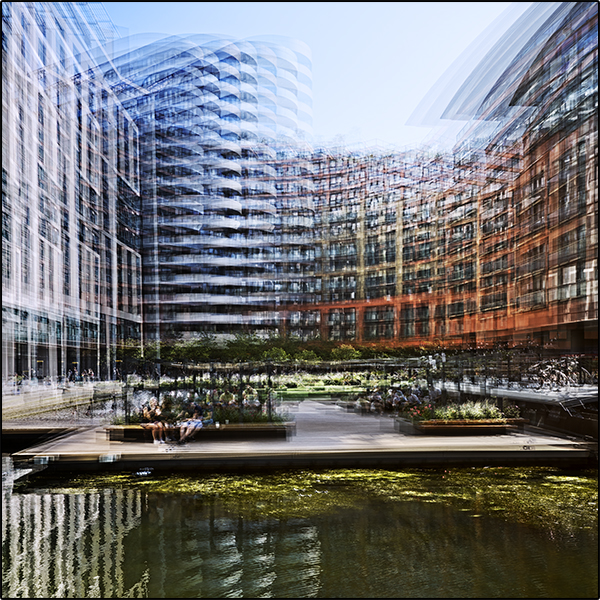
{"points": [[70, 241], [221, 221]]}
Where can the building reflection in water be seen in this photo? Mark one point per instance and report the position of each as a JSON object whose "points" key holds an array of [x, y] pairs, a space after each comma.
{"points": [[68, 545], [116, 543], [299, 541]]}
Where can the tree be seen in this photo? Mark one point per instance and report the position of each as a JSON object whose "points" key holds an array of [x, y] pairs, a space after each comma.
{"points": [[197, 350], [307, 356], [243, 347], [276, 355], [345, 352]]}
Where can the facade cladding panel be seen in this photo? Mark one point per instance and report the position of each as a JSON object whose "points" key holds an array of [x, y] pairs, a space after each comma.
{"points": [[222, 222], [71, 265]]}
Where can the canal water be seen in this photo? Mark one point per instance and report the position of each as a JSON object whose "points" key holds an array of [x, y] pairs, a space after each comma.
{"points": [[460, 533]]}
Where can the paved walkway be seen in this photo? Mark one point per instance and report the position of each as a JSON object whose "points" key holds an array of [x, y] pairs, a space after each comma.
{"points": [[325, 436], [27, 401]]}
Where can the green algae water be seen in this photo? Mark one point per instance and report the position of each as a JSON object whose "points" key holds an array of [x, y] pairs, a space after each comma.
{"points": [[460, 533]]}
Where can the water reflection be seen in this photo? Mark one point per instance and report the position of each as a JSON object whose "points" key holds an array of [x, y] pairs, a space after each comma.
{"points": [[66, 545], [285, 536]]}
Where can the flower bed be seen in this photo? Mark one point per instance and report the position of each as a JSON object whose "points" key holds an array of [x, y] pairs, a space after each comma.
{"points": [[479, 418]]}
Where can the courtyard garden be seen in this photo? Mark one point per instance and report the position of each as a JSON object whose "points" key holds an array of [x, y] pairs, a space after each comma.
{"points": [[253, 380]]}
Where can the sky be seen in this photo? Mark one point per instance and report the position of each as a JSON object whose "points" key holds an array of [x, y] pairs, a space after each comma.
{"points": [[374, 63]]}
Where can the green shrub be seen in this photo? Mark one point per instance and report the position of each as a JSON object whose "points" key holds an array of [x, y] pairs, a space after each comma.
{"points": [[345, 352], [447, 413], [276, 354], [511, 412], [472, 411], [308, 356], [491, 411]]}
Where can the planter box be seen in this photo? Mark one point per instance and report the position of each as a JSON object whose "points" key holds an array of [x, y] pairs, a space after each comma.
{"points": [[469, 427], [231, 431], [405, 426]]}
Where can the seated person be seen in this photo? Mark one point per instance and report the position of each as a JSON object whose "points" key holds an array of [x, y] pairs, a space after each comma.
{"points": [[414, 397], [189, 427], [227, 398], [168, 417], [207, 418], [186, 412], [152, 418], [250, 398]]}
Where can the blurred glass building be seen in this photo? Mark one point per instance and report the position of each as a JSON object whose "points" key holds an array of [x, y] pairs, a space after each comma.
{"points": [[164, 188], [217, 117], [71, 266], [152, 188]]}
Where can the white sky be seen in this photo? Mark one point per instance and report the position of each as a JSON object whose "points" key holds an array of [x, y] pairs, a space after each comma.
{"points": [[373, 62]]}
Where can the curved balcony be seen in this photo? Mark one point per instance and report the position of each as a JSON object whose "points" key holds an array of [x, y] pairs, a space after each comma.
{"points": [[254, 260], [221, 203], [223, 164], [224, 184], [257, 224], [221, 145], [168, 189], [236, 319], [228, 89], [227, 108]]}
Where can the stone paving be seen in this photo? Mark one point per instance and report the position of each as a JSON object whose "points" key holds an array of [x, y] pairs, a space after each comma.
{"points": [[326, 435]]}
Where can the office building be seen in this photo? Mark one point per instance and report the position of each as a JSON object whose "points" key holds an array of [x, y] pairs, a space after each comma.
{"points": [[497, 243], [214, 116], [71, 266]]}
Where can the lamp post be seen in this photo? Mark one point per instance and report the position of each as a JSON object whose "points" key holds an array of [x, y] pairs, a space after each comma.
{"points": [[269, 406], [459, 377], [444, 393], [485, 374], [241, 395]]}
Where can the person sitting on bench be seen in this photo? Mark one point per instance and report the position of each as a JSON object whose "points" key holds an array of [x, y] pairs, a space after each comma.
{"points": [[189, 427], [153, 419]]}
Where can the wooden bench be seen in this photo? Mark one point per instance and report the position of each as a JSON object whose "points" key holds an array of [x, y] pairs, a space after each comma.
{"points": [[208, 433]]}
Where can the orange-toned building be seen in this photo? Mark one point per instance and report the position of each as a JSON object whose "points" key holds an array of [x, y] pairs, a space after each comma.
{"points": [[495, 244]]}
